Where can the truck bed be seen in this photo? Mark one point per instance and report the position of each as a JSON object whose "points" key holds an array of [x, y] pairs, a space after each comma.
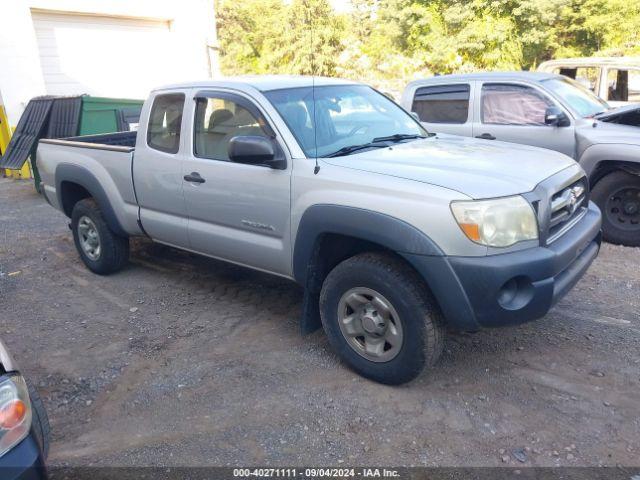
{"points": [[100, 163], [119, 141]]}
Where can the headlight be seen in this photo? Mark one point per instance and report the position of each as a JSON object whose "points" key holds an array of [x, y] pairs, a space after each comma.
{"points": [[15, 412], [500, 222]]}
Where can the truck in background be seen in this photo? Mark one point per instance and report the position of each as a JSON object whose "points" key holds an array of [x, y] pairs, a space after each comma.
{"points": [[614, 79], [549, 111]]}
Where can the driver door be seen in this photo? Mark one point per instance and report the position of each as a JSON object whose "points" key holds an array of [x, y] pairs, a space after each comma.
{"points": [[514, 112], [237, 212]]}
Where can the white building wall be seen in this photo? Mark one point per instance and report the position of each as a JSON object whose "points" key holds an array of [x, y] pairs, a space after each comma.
{"points": [[188, 52]]}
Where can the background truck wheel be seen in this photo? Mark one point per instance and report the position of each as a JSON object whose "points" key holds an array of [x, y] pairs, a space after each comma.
{"points": [[101, 250], [618, 196], [40, 421], [380, 318]]}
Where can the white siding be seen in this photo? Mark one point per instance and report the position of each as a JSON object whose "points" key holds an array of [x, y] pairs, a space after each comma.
{"points": [[103, 55]]}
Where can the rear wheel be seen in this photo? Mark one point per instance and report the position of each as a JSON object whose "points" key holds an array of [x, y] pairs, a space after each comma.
{"points": [[618, 196], [380, 318], [101, 250]]}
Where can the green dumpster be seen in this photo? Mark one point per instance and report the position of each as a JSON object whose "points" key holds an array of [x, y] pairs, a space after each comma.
{"points": [[107, 115]]}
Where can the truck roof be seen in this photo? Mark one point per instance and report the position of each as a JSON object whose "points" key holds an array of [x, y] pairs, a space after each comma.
{"points": [[591, 61], [485, 76], [262, 82]]}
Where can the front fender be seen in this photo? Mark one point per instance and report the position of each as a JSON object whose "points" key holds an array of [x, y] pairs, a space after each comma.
{"points": [[375, 227], [595, 155], [413, 245]]}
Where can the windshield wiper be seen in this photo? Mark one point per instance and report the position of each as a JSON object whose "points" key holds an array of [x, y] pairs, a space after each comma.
{"points": [[355, 148], [379, 142], [398, 137]]}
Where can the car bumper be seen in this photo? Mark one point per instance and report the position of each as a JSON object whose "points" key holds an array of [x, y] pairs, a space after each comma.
{"points": [[511, 288], [23, 462]]}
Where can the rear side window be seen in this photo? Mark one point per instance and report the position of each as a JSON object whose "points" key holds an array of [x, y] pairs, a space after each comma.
{"points": [[509, 104], [442, 103], [165, 121]]}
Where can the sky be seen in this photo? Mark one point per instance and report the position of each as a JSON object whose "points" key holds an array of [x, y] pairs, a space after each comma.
{"points": [[341, 5]]}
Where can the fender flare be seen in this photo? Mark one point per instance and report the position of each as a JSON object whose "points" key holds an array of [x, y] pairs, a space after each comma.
{"points": [[624, 154], [67, 172], [398, 236], [385, 230]]}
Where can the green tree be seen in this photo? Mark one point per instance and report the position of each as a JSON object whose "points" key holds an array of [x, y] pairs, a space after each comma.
{"points": [[269, 36], [389, 42]]}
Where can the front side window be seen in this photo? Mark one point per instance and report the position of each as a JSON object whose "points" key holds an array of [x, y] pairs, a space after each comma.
{"points": [[217, 121], [623, 85], [332, 118], [442, 103], [578, 98], [505, 104], [165, 122]]}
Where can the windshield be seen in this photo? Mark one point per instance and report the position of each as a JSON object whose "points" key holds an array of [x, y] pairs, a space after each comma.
{"points": [[347, 118], [580, 99]]}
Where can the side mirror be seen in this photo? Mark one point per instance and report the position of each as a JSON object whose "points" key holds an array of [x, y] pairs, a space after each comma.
{"points": [[554, 116], [415, 115], [254, 150]]}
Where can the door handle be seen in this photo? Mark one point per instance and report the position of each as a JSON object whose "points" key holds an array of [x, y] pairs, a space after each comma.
{"points": [[194, 177], [486, 136]]}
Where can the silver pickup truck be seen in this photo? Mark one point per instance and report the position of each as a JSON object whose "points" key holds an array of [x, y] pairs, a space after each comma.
{"points": [[394, 232], [549, 111]]}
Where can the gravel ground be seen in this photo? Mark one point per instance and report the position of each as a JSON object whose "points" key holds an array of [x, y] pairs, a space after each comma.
{"points": [[182, 360]]}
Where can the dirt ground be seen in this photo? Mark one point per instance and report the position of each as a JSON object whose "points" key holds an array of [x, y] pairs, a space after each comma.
{"points": [[182, 360]]}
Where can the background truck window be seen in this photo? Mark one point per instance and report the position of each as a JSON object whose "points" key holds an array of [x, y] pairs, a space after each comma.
{"points": [[504, 104], [623, 85], [442, 103], [588, 77], [165, 122], [217, 122]]}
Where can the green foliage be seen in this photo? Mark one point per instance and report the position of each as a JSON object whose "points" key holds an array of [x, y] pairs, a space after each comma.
{"points": [[269, 36], [387, 42]]}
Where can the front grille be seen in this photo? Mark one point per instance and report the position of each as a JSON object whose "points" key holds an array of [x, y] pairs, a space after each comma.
{"points": [[567, 206]]}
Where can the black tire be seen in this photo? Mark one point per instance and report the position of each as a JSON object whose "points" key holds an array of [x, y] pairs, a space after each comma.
{"points": [[618, 196], [420, 318], [39, 421], [114, 249]]}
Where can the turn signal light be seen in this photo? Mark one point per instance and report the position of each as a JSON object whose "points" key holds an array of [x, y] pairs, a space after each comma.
{"points": [[12, 414]]}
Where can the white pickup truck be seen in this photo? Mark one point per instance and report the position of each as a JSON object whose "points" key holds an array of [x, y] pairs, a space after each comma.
{"points": [[393, 232]]}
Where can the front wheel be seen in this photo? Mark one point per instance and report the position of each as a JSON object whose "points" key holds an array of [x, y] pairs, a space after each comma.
{"points": [[101, 250], [380, 318], [618, 196]]}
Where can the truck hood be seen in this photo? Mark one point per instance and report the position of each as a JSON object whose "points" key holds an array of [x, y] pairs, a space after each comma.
{"points": [[625, 115], [596, 132], [476, 168]]}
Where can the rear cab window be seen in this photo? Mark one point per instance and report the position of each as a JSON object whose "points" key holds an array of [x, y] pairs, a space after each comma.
{"points": [[165, 122], [442, 103]]}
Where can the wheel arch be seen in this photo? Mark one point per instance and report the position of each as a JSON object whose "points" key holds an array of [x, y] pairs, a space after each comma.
{"points": [[602, 159], [329, 234], [605, 167], [74, 183]]}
